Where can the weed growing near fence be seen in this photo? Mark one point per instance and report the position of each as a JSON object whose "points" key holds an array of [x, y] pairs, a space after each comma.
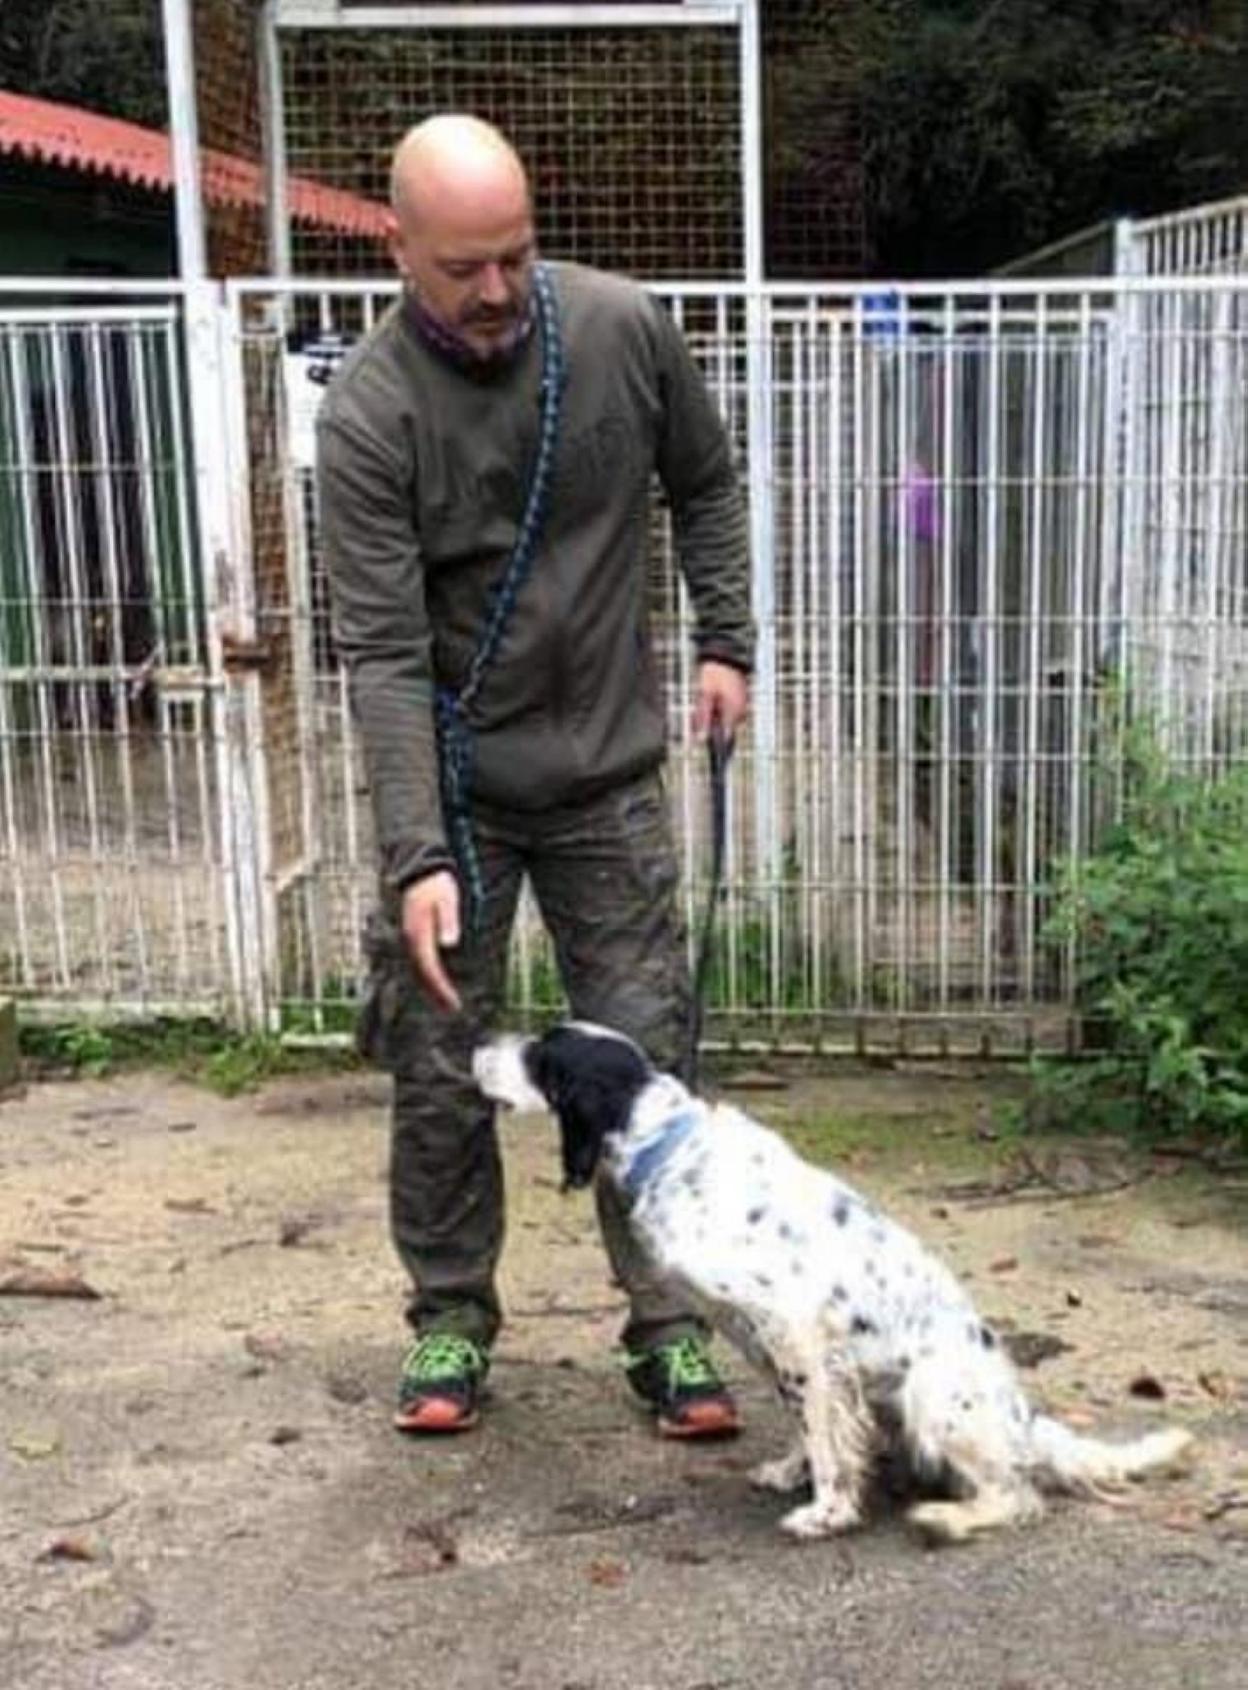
{"points": [[1158, 914], [211, 1055]]}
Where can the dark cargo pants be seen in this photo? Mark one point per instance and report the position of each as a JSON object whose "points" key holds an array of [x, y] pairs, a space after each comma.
{"points": [[605, 878]]}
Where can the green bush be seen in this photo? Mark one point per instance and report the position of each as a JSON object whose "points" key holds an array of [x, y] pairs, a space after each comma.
{"points": [[1158, 915]]}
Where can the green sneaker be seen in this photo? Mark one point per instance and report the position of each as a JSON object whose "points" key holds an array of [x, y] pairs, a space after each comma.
{"points": [[680, 1383], [440, 1387]]}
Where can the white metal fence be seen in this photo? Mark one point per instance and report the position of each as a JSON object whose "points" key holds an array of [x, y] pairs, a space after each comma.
{"points": [[978, 511]]}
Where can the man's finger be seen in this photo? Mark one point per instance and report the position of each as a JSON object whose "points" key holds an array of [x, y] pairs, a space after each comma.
{"points": [[429, 963]]}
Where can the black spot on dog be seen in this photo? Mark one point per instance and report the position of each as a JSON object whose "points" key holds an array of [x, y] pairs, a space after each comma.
{"points": [[753, 1216], [840, 1212], [839, 1294], [786, 1231], [860, 1325], [762, 1281], [987, 1337]]}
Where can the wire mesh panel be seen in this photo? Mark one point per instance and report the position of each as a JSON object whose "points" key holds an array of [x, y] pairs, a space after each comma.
{"points": [[1186, 440], [814, 186], [228, 107], [632, 135], [110, 867], [969, 540], [1203, 240], [991, 519]]}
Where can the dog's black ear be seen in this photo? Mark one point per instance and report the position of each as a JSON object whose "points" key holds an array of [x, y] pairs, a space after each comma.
{"points": [[580, 1136]]}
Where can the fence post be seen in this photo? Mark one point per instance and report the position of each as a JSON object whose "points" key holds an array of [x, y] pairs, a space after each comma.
{"points": [[219, 481]]}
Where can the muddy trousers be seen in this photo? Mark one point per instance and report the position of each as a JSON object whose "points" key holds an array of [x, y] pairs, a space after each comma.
{"points": [[604, 876]]}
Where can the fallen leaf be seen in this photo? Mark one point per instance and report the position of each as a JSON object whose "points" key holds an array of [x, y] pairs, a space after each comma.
{"points": [[1029, 1349], [1003, 1264], [1146, 1386], [1074, 1299], [31, 1446], [607, 1574], [1182, 1519], [39, 1282], [189, 1206], [182, 1126], [293, 1229], [941, 1212], [1219, 1385], [265, 1346], [285, 1435], [69, 1549]]}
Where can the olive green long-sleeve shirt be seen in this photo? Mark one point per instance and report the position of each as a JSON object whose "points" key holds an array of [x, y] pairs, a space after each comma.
{"points": [[423, 474]]}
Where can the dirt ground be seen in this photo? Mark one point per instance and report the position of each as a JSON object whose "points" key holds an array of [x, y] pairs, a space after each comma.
{"points": [[200, 1490]]}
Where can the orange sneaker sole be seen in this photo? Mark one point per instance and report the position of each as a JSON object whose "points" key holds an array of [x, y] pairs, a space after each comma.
{"points": [[702, 1420], [436, 1414]]}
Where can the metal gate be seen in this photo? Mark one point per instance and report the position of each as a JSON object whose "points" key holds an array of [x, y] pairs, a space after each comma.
{"points": [[114, 885], [979, 515]]}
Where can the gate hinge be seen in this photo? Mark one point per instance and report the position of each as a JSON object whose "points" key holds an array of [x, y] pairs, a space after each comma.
{"points": [[245, 657]]}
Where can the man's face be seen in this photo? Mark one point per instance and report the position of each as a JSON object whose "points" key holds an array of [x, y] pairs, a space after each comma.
{"points": [[470, 268]]}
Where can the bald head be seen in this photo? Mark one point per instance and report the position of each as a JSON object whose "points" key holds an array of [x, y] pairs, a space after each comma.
{"points": [[456, 165], [463, 227]]}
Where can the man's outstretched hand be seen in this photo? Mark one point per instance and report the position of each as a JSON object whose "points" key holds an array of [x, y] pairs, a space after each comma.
{"points": [[431, 926]]}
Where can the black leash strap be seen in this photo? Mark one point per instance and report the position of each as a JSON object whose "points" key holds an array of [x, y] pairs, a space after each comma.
{"points": [[718, 753], [452, 708]]}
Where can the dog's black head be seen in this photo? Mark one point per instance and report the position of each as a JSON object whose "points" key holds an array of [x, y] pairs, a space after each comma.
{"points": [[589, 1076]]}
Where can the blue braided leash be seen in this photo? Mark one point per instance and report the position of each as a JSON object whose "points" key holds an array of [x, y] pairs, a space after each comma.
{"points": [[454, 731]]}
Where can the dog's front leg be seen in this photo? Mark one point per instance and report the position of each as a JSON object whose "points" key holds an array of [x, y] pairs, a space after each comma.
{"points": [[836, 1423]]}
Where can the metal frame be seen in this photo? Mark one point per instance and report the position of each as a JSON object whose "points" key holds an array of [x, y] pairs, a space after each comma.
{"points": [[1102, 521]]}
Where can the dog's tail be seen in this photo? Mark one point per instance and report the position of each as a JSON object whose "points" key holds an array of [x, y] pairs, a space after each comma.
{"points": [[1070, 1462]]}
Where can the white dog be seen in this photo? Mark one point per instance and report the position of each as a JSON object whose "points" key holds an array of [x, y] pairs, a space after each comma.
{"points": [[859, 1327]]}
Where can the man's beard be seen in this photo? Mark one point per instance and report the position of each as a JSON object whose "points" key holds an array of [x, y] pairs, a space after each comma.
{"points": [[454, 345]]}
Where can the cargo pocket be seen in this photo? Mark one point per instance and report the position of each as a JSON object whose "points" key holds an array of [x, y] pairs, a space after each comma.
{"points": [[388, 987]]}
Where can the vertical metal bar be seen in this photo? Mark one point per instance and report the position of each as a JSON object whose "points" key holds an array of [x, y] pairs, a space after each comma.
{"points": [[948, 696], [184, 138], [863, 829], [218, 434], [98, 410], [990, 565], [834, 877], [71, 492], [28, 479], [10, 747], [760, 424], [273, 130], [1079, 597], [1036, 555], [751, 61]]}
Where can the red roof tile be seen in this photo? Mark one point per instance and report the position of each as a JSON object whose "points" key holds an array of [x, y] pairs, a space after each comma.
{"points": [[108, 146]]}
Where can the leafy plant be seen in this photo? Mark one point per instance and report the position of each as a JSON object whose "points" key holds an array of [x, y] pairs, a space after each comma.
{"points": [[1158, 914], [204, 1052]]}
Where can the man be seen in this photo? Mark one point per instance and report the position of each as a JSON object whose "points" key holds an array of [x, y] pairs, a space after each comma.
{"points": [[485, 460]]}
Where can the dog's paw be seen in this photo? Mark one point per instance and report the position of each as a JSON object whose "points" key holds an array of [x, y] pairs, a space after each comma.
{"points": [[941, 1522], [819, 1519], [784, 1474]]}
